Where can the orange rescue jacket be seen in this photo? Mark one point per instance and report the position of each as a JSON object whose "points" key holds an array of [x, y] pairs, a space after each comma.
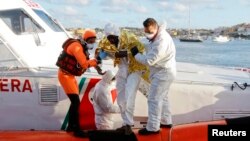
{"points": [[74, 58]]}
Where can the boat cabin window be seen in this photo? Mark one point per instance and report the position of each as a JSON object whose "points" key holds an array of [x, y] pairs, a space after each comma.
{"points": [[48, 20], [7, 59], [20, 22]]}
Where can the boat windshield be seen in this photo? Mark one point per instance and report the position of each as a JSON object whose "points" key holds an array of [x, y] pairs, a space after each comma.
{"points": [[7, 59], [48, 20], [20, 22]]}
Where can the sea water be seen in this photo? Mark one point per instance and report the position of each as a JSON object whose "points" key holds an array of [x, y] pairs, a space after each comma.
{"points": [[235, 53]]}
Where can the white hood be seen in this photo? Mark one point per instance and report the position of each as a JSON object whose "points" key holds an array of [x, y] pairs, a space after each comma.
{"points": [[162, 26], [111, 29], [108, 76]]}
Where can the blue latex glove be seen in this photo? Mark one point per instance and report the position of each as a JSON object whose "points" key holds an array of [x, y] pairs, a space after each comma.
{"points": [[103, 54]]}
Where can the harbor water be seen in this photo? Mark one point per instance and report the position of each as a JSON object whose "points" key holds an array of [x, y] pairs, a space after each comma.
{"points": [[235, 53]]}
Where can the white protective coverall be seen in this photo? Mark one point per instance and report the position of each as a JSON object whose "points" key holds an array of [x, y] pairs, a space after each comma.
{"points": [[127, 83], [127, 86], [160, 57], [103, 103]]}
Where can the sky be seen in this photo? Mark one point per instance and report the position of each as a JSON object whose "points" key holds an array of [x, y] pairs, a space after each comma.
{"points": [[208, 14]]}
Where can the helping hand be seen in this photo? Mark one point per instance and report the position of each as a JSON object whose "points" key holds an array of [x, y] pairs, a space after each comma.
{"points": [[99, 70], [121, 54], [99, 60], [134, 50]]}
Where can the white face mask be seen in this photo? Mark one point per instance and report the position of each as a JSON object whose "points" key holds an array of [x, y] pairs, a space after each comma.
{"points": [[90, 46], [149, 35]]}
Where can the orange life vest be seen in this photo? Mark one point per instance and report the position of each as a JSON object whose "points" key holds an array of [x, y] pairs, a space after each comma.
{"points": [[68, 62]]}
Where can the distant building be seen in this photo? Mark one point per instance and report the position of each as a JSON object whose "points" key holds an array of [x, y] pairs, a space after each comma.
{"points": [[79, 32], [244, 31]]}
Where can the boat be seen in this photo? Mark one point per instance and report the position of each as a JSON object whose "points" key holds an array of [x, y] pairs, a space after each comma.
{"points": [[34, 105], [190, 37], [198, 131], [221, 39], [177, 133]]}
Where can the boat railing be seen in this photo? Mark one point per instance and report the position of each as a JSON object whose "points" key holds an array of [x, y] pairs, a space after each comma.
{"points": [[144, 86], [202, 83], [7, 71]]}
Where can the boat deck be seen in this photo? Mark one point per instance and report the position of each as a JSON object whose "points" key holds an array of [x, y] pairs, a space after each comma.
{"points": [[188, 132]]}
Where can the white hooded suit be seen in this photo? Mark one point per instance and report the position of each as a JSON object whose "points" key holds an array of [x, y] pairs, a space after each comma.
{"points": [[103, 103], [160, 57]]}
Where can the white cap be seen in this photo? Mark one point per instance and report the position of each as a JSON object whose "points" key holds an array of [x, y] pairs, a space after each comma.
{"points": [[111, 29], [108, 76]]}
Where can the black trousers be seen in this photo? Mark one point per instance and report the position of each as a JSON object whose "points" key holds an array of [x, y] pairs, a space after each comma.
{"points": [[74, 123]]}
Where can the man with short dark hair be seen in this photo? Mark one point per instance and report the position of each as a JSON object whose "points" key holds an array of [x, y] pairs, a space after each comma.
{"points": [[149, 21], [160, 57]]}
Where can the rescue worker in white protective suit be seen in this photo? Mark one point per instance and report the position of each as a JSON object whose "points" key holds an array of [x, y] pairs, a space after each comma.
{"points": [[103, 103], [129, 72], [160, 57]]}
